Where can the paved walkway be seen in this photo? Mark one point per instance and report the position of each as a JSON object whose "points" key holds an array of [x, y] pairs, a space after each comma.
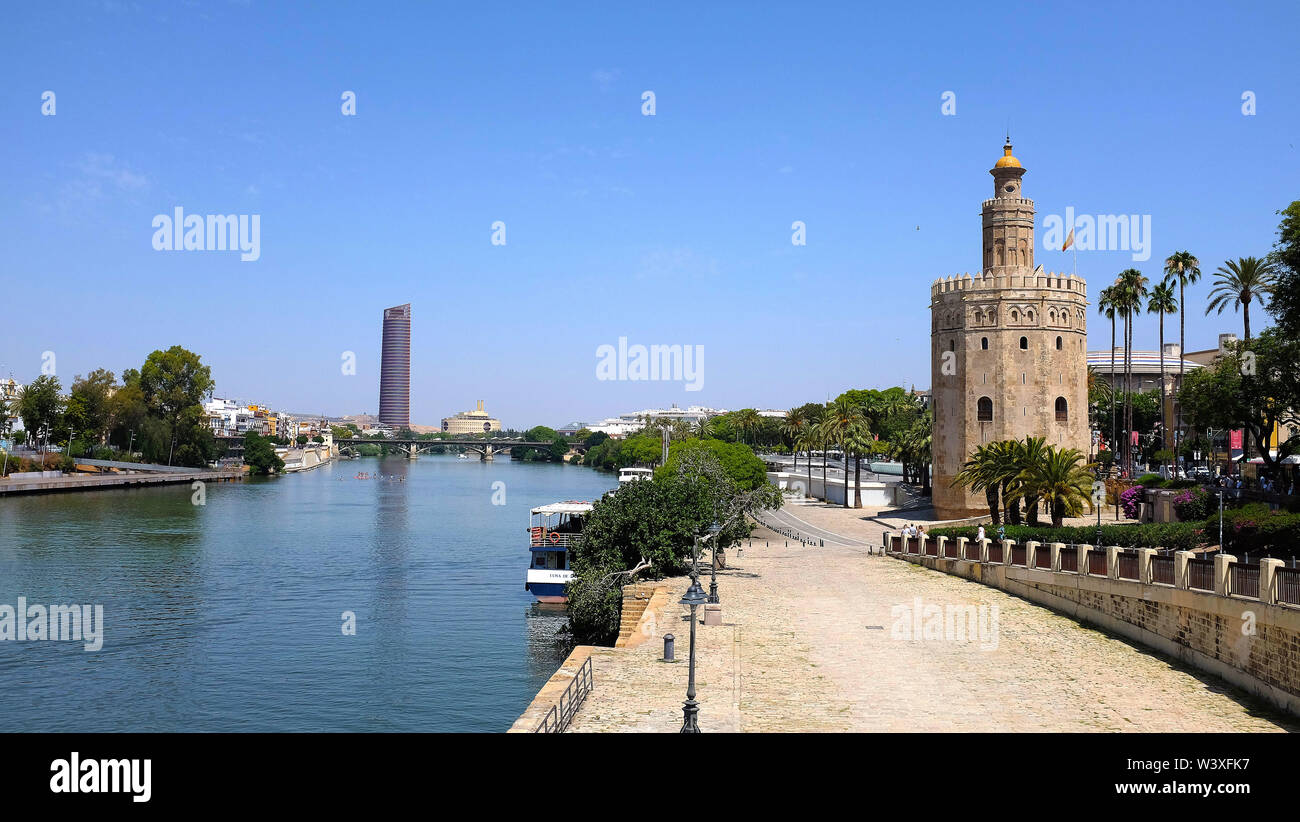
{"points": [[808, 644]]}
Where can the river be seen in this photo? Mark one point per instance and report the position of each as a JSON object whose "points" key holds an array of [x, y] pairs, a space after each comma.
{"points": [[228, 616]]}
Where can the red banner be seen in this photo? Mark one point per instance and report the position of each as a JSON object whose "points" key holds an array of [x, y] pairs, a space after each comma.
{"points": [[1234, 439]]}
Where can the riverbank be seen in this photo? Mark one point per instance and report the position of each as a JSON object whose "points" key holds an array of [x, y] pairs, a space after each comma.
{"points": [[94, 482], [808, 642]]}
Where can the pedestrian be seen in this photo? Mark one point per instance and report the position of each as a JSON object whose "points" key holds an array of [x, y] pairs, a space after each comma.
{"points": [[979, 537]]}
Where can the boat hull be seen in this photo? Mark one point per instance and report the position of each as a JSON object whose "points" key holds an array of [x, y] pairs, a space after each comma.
{"points": [[548, 586]]}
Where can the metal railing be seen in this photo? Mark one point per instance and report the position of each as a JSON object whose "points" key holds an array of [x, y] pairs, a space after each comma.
{"points": [[1128, 565], [1288, 585], [1097, 562], [1018, 555], [1243, 579], [995, 552], [950, 549], [1070, 559], [1162, 570], [561, 714], [552, 539], [1200, 574], [972, 551], [932, 547], [1043, 556]]}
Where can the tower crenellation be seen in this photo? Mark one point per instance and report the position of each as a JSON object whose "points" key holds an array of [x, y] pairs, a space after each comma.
{"points": [[1009, 345]]}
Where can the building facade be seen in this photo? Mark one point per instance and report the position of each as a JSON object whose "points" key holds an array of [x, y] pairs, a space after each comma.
{"points": [[471, 422], [1008, 345], [395, 367]]}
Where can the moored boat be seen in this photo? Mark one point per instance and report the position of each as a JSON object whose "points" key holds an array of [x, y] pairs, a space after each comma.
{"points": [[553, 530]]}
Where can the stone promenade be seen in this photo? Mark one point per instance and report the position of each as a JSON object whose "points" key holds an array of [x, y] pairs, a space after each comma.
{"points": [[807, 645]]}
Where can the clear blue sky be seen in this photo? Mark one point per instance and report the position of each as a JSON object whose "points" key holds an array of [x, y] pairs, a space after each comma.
{"points": [[666, 229]]}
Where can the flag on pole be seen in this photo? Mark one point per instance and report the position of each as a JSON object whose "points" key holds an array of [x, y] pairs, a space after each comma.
{"points": [[1069, 241]]}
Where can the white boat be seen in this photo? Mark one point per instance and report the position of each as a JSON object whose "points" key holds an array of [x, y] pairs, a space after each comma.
{"points": [[552, 531], [626, 475]]}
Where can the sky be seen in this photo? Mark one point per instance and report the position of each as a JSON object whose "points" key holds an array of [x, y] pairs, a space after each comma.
{"points": [[671, 228]]}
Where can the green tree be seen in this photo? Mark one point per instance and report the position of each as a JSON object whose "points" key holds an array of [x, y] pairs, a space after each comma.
{"points": [[1183, 268], [89, 411], [1061, 482], [1108, 306], [260, 456], [1130, 289], [983, 472], [1163, 302], [40, 405], [1239, 282], [174, 384], [1220, 396], [1285, 260]]}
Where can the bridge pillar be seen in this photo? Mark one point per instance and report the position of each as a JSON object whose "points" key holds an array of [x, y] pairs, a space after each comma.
{"points": [[486, 455], [412, 451]]}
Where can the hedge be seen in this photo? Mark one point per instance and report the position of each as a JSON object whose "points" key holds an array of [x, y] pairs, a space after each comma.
{"points": [[1179, 536]]}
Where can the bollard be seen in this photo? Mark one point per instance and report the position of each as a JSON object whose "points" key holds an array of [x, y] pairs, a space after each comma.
{"points": [[669, 640]]}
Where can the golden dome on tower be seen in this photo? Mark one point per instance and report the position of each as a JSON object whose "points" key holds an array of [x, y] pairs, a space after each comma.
{"points": [[1006, 160]]}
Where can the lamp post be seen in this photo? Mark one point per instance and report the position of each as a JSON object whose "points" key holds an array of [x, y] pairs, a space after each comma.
{"points": [[1098, 503], [714, 530], [694, 598]]}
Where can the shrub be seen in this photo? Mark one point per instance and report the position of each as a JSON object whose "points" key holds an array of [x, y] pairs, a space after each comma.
{"points": [[1150, 480], [1192, 505], [1130, 500], [1179, 536], [1257, 529]]}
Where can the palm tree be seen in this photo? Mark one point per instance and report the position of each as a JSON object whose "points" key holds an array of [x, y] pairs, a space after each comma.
{"points": [[792, 426], [1027, 454], [1062, 483], [824, 439], [1131, 288], [703, 428], [1106, 305], [1006, 468], [979, 473], [1185, 269], [1237, 282], [747, 420], [844, 421], [808, 440], [1163, 302]]}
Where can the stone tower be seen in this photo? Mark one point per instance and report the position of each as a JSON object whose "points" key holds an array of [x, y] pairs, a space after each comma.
{"points": [[1009, 347]]}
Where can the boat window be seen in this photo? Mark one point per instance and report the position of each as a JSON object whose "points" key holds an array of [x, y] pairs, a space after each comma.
{"points": [[539, 560]]}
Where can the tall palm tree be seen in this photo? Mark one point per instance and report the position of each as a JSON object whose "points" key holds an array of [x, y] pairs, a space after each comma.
{"points": [[1131, 288], [1164, 302], [1182, 267], [792, 426], [1006, 468], [844, 422], [1106, 306], [1062, 482], [824, 439], [807, 441], [1239, 281]]}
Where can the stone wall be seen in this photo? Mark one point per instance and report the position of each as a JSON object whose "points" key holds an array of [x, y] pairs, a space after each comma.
{"points": [[1252, 642]]}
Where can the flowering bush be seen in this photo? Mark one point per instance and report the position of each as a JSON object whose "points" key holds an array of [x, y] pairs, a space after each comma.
{"points": [[1192, 504], [1129, 500]]}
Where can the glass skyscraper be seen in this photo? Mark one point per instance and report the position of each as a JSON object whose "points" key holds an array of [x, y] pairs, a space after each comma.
{"points": [[395, 367]]}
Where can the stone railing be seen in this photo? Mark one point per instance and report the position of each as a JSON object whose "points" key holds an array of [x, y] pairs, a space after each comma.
{"points": [[1238, 620]]}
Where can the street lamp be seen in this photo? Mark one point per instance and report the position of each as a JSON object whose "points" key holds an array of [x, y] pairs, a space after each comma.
{"points": [[693, 599], [1098, 505], [714, 530]]}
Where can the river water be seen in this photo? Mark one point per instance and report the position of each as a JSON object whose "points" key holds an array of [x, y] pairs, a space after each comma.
{"points": [[228, 616]]}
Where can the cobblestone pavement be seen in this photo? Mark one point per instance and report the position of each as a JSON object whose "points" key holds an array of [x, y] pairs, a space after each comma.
{"points": [[800, 650]]}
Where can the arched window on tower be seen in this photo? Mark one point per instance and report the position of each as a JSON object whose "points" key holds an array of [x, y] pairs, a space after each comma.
{"points": [[1024, 252], [997, 247], [1062, 410], [984, 343], [1024, 343], [984, 410], [1058, 343]]}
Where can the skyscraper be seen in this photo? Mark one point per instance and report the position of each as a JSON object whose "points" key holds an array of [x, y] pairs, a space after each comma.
{"points": [[395, 367]]}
